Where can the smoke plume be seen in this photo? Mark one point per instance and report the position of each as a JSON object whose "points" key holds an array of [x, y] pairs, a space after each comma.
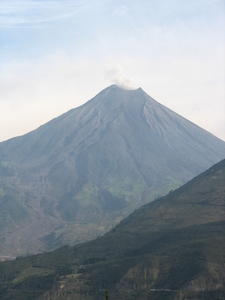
{"points": [[116, 76]]}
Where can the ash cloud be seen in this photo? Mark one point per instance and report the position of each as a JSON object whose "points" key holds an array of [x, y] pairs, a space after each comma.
{"points": [[115, 75]]}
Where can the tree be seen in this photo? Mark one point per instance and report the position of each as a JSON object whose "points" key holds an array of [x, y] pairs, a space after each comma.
{"points": [[106, 296]]}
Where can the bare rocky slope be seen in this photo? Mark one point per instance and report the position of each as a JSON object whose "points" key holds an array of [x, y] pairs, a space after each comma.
{"points": [[81, 173]]}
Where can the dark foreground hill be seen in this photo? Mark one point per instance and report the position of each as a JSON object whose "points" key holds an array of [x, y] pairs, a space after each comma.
{"points": [[75, 177], [171, 248]]}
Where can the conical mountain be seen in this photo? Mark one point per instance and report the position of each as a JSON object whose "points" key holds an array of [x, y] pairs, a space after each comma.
{"points": [[95, 164]]}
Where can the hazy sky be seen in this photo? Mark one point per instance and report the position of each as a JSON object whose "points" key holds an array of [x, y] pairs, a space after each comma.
{"points": [[57, 54]]}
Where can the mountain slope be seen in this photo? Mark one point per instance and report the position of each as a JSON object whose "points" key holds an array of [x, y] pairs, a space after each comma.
{"points": [[96, 164], [171, 248]]}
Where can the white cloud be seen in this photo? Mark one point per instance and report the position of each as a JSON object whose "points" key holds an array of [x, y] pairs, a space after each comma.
{"points": [[121, 10], [20, 13], [34, 92]]}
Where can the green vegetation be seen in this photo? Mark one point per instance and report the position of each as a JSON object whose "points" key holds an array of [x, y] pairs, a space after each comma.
{"points": [[172, 248], [123, 188], [10, 211]]}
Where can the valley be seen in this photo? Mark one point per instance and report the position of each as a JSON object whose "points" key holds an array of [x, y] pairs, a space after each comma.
{"points": [[171, 248]]}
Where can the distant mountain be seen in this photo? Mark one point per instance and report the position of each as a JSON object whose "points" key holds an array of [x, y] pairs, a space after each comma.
{"points": [[81, 173], [171, 248]]}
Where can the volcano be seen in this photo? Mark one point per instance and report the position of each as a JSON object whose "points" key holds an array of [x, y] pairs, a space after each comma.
{"points": [[78, 175]]}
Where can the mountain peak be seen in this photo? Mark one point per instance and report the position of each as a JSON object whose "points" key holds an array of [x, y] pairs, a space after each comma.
{"points": [[115, 96], [123, 88], [99, 162]]}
